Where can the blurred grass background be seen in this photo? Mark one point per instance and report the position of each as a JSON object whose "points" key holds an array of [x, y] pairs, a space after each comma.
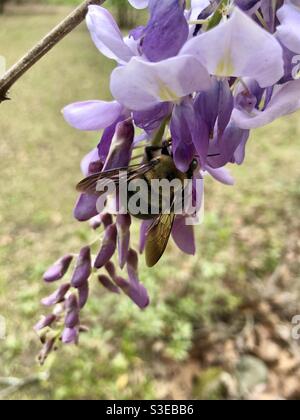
{"points": [[212, 315]]}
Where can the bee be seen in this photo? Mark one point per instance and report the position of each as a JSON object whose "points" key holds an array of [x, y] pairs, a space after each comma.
{"points": [[158, 164]]}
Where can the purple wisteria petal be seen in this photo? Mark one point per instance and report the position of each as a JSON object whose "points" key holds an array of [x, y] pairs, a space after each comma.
{"points": [[121, 147], [225, 106], [136, 291], [83, 294], [291, 65], [58, 269], [46, 321], [70, 336], [108, 246], [108, 284], [95, 222], [221, 174], [288, 31], [211, 107], [137, 33], [92, 115], [139, 4], [72, 311], [248, 5], [183, 235], [152, 118], [240, 153], [140, 85], [86, 207], [132, 288], [201, 138], [58, 296], [83, 268], [183, 127], [246, 101], [225, 54], [226, 146], [207, 105], [285, 100], [107, 137], [268, 13], [167, 30], [111, 269], [93, 156], [106, 34], [106, 219]]}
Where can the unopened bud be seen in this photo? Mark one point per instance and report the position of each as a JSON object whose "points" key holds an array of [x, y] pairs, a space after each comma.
{"points": [[58, 269], [108, 247]]}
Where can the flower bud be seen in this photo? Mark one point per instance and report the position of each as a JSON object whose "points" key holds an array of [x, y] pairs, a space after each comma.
{"points": [[83, 268], [108, 284], [46, 321], [135, 291], [72, 319], [57, 297], [111, 269], [59, 269], [83, 295], [86, 207], [108, 247], [132, 260], [123, 229], [70, 336], [106, 219], [95, 167], [95, 222], [72, 312]]}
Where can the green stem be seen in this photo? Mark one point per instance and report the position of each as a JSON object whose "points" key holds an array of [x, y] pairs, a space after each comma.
{"points": [[157, 139]]}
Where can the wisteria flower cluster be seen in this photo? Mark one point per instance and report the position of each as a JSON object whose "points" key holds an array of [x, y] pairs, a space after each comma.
{"points": [[199, 78]]}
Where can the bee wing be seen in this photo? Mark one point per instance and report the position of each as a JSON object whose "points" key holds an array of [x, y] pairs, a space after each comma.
{"points": [[89, 184], [158, 237]]}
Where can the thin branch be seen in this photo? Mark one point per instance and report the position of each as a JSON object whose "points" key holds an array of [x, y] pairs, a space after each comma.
{"points": [[44, 46]]}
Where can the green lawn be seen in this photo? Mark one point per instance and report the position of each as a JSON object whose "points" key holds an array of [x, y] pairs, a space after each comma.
{"points": [[249, 231]]}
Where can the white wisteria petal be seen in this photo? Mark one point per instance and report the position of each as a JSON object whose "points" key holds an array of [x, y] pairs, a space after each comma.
{"points": [[285, 101], [240, 48], [139, 4], [289, 30], [139, 85], [106, 34]]}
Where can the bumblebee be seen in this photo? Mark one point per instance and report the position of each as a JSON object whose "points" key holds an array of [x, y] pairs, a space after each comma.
{"points": [[158, 164]]}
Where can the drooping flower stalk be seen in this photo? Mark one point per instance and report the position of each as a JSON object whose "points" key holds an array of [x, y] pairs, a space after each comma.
{"points": [[195, 82]]}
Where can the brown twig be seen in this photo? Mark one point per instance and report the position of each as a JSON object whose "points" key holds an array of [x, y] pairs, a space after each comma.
{"points": [[43, 47]]}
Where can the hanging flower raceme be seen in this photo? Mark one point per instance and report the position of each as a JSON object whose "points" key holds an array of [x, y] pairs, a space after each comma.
{"points": [[187, 89]]}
